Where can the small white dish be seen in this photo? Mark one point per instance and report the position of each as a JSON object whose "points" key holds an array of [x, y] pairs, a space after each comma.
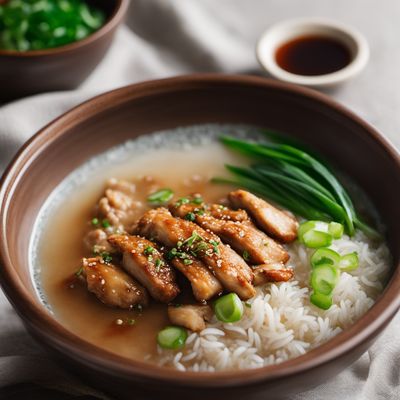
{"points": [[285, 31]]}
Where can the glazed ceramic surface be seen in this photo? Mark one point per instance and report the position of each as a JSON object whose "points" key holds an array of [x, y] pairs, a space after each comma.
{"points": [[350, 144], [60, 68]]}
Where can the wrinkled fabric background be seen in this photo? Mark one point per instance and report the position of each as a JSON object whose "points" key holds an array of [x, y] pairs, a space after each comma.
{"points": [[170, 37]]}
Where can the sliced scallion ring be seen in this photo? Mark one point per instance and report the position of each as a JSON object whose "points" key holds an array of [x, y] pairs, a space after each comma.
{"points": [[161, 196], [229, 308], [321, 300], [336, 229], [304, 228], [349, 262], [324, 278], [325, 256], [172, 337], [315, 239]]}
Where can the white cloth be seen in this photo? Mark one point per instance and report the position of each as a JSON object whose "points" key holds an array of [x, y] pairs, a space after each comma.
{"points": [[170, 37]]}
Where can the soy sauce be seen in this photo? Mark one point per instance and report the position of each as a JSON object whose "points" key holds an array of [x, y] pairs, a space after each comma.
{"points": [[313, 55]]}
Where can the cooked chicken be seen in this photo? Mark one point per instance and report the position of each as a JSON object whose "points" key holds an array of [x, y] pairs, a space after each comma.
{"points": [[192, 317], [222, 212], [119, 206], [255, 246], [186, 238], [271, 273], [204, 284], [142, 260], [112, 285], [96, 241], [277, 223]]}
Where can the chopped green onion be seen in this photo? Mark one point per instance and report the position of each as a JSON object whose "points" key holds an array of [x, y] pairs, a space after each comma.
{"points": [[79, 272], [172, 337], [105, 223], [197, 200], [187, 261], [304, 227], [349, 262], [336, 229], [107, 257], [181, 201], [324, 279], [190, 217], [246, 255], [228, 308], [325, 256], [315, 239], [42, 24], [148, 250], [159, 263], [162, 196], [321, 300], [95, 221]]}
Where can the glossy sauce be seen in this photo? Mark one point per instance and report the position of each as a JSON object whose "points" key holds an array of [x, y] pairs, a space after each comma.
{"points": [[61, 247], [313, 55]]}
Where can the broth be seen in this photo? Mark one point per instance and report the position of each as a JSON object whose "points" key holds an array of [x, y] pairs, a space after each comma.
{"points": [[72, 304]]}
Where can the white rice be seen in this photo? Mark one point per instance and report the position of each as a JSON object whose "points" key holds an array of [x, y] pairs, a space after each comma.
{"points": [[281, 322]]}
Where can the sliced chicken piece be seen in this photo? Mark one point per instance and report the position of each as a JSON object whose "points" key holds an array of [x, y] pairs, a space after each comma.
{"points": [[142, 260], [218, 211], [255, 246], [186, 238], [271, 273], [273, 221], [204, 284], [111, 285], [192, 317]]}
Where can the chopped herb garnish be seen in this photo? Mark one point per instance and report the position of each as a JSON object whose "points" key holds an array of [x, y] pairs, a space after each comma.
{"points": [[200, 211], [189, 241], [148, 250], [162, 196], [107, 257], [215, 244], [159, 263], [201, 246], [79, 272], [130, 321], [179, 244], [187, 261], [172, 253], [248, 305], [95, 221], [181, 201], [150, 258], [105, 223], [190, 216], [197, 200], [246, 255]]}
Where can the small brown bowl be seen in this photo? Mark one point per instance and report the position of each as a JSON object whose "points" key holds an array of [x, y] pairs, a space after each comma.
{"points": [[60, 68], [345, 140]]}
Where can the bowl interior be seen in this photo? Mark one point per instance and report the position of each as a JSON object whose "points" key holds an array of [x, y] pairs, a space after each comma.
{"points": [[347, 142]]}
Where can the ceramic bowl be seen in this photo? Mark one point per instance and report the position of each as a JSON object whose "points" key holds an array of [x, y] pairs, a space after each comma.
{"points": [[286, 31], [61, 68], [346, 141]]}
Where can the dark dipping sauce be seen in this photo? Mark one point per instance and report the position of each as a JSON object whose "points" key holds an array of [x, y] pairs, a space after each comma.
{"points": [[313, 55]]}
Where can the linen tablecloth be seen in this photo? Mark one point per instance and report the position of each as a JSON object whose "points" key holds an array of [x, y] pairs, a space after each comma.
{"points": [[163, 38]]}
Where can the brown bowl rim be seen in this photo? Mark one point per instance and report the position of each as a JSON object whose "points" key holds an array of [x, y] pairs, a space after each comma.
{"points": [[121, 6], [96, 358]]}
